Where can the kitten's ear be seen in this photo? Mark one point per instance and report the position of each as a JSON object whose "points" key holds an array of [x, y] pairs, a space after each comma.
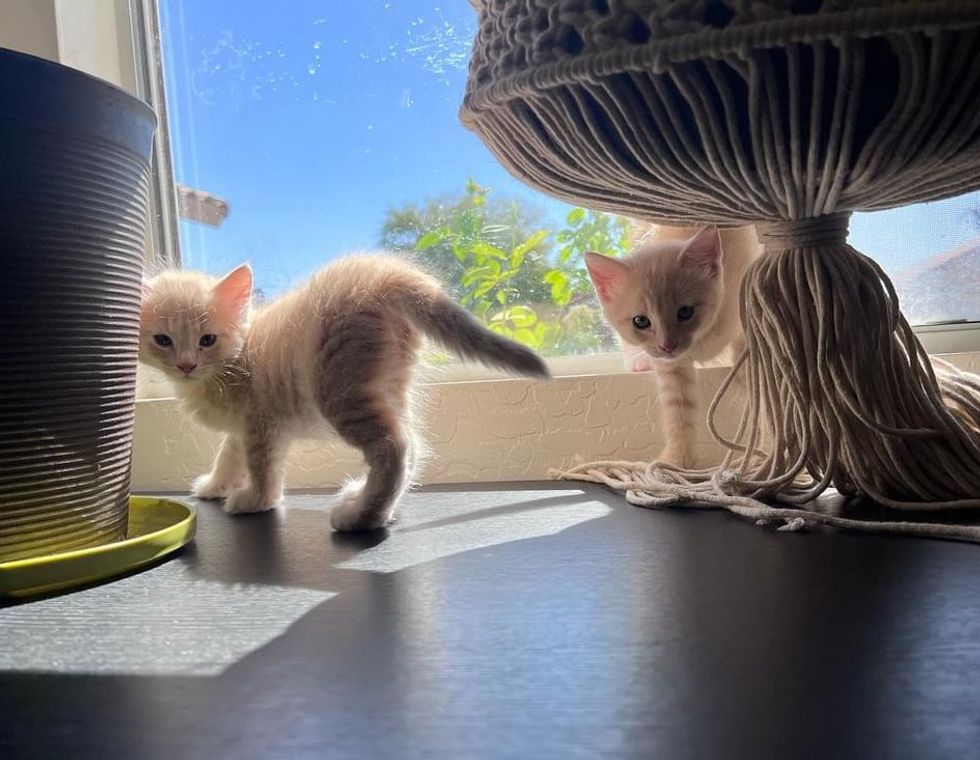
{"points": [[608, 275], [234, 291], [703, 251], [145, 289]]}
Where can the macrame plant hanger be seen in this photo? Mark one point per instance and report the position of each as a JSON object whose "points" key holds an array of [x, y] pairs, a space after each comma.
{"points": [[790, 116]]}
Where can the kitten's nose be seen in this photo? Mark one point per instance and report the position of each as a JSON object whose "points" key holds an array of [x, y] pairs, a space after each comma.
{"points": [[186, 367], [668, 346]]}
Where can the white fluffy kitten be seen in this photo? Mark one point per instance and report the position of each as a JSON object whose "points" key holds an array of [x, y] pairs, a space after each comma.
{"points": [[674, 302], [336, 354]]}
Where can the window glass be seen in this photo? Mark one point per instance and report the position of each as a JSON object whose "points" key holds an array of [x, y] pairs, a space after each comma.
{"points": [[306, 130]]}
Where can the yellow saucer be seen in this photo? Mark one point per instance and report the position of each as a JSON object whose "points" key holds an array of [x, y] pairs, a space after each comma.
{"points": [[157, 527]]}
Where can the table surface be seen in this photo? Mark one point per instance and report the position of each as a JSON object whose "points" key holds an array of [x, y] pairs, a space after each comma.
{"points": [[532, 620]]}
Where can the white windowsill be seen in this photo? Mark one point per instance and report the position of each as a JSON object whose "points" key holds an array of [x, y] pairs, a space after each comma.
{"points": [[479, 430]]}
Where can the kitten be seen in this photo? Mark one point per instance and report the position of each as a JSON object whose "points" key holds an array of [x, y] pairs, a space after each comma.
{"points": [[674, 301], [336, 354]]}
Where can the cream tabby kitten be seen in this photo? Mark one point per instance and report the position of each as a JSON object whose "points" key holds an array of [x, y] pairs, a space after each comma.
{"points": [[336, 354], [674, 303]]}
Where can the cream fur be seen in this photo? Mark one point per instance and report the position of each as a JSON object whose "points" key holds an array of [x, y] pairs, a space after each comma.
{"points": [[335, 355], [655, 281]]}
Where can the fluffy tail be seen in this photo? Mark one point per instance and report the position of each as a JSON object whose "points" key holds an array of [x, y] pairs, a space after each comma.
{"points": [[456, 330]]}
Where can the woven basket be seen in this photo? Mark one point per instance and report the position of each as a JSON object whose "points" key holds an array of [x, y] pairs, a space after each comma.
{"points": [[730, 112]]}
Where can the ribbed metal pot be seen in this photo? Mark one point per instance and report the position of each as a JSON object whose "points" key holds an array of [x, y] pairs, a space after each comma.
{"points": [[74, 166]]}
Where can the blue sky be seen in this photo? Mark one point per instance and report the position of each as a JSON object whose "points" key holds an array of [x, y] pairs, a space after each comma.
{"points": [[312, 118]]}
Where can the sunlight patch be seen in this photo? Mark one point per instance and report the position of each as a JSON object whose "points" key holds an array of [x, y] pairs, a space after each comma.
{"points": [[445, 524], [163, 622]]}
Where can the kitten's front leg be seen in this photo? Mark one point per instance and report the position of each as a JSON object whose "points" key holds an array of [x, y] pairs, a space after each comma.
{"points": [[678, 411], [228, 474], [636, 359], [265, 452]]}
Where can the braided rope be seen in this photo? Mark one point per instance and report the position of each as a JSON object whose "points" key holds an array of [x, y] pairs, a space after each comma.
{"points": [[636, 479]]}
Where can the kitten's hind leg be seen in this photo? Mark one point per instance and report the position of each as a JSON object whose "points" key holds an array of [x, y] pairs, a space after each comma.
{"points": [[416, 458], [370, 504], [364, 375], [265, 452], [228, 474]]}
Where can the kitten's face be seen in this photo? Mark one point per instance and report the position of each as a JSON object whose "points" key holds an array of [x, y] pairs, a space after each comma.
{"points": [[191, 324], [665, 296]]}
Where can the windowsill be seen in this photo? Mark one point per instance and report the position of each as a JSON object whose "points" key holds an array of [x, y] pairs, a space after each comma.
{"points": [[479, 430]]}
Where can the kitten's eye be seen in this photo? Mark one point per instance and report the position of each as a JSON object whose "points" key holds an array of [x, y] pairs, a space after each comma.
{"points": [[208, 340], [163, 341], [641, 322], [685, 313]]}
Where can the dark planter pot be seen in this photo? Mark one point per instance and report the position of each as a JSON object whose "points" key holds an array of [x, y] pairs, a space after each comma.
{"points": [[74, 168]]}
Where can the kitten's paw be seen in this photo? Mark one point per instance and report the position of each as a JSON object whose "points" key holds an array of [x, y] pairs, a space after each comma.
{"points": [[641, 362], [350, 514], [210, 488], [680, 458], [249, 500]]}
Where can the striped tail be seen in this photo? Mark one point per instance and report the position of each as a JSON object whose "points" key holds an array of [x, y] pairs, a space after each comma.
{"points": [[456, 330]]}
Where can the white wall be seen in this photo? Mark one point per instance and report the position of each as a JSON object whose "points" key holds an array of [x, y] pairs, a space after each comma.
{"points": [[89, 35], [29, 26], [94, 36]]}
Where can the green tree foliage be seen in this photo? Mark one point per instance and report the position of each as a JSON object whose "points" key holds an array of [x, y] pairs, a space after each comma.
{"points": [[523, 278]]}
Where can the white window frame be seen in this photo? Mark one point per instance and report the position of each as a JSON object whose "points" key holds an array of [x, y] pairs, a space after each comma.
{"points": [[163, 247]]}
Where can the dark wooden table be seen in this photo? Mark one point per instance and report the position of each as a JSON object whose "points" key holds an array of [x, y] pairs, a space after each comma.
{"points": [[533, 621]]}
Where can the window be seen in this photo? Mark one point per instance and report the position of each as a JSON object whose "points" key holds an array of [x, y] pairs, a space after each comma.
{"points": [[932, 253], [316, 129], [239, 86], [325, 128]]}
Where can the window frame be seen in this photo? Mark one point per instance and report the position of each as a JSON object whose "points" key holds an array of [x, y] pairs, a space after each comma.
{"points": [[163, 238]]}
